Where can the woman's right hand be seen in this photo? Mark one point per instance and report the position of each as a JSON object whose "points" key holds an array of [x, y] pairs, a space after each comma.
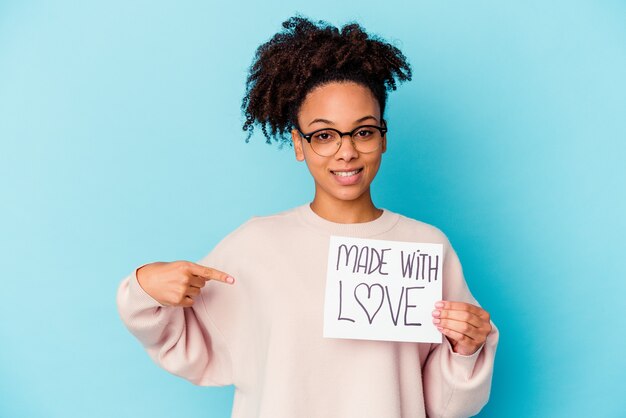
{"points": [[178, 282]]}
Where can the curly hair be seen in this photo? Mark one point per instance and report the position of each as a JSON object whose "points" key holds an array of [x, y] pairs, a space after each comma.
{"points": [[305, 55]]}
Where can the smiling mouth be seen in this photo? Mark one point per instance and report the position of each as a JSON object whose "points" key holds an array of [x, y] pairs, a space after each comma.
{"points": [[347, 173]]}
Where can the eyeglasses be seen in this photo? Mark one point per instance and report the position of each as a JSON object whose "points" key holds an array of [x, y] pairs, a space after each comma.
{"points": [[327, 141]]}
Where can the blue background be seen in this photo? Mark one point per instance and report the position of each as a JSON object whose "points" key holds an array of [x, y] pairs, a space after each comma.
{"points": [[120, 127]]}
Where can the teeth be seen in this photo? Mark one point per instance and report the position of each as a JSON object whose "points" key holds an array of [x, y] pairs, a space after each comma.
{"points": [[346, 173]]}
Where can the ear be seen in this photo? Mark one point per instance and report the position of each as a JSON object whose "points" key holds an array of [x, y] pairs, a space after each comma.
{"points": [[384, 145], [297, 144]]}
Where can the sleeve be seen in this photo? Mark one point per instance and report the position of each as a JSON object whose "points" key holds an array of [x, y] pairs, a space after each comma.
{"points": [[456, 385], [183, 341]]}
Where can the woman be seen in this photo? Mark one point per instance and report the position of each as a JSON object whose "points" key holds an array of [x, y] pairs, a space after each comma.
{"points": [[250, 313]]}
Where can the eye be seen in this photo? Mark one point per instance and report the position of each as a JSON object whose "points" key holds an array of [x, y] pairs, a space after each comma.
{"points": [[364, 133], [325, 136]]}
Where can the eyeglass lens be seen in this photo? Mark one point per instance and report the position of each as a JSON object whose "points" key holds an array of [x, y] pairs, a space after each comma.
{"points": [[326, 142]]}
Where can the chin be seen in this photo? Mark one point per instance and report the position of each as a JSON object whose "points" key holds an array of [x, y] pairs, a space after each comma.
{"points": [[348, 195]]}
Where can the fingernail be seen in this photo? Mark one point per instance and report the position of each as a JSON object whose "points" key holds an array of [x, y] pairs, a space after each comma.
{"points": [[230, 279], [440, 328], [439, 305], [436, 313], [436, 320]]}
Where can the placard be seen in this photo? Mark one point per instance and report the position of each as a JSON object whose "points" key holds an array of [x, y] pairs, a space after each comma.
{"points": [[382, 290]]}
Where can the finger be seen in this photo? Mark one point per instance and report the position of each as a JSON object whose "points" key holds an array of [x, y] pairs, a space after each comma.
{"points": [[209, 273], [462, 306], [192, 291], [460, 327], [197, 281], [465, 316], [187, 302], [462, 344], [455, 335]]}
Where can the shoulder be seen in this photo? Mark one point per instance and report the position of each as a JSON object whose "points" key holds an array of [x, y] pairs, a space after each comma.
{"points": [[412, 229], [255, 235], [262, 224]]}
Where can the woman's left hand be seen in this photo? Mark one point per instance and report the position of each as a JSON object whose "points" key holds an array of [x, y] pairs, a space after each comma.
{"points": [[465, 325]]}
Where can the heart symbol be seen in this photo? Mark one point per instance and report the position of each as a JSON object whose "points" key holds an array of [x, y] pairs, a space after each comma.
{"points": [[369, 299]]}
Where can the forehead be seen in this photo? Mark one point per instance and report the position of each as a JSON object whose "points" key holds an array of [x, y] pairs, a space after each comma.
{"points": [[339, 102]]}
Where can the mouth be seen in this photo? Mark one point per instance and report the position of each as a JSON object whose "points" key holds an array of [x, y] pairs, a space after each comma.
{"points": [[348, 177], [347, 173]]}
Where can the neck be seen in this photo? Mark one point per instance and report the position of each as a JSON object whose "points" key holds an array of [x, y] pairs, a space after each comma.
{"points": [[359, 210]]}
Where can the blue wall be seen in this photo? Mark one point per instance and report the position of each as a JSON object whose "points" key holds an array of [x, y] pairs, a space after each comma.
{"points": [[121, 138]]}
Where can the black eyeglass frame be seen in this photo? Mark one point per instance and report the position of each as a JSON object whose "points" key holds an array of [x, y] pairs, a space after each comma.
{"points": [[383, 130]]}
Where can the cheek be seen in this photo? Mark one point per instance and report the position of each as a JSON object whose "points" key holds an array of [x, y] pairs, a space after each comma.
{"points": [[314, 165], [374, 165]]}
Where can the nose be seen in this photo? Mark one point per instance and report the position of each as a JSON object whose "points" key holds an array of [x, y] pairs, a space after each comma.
{"points": [[346, 150]]}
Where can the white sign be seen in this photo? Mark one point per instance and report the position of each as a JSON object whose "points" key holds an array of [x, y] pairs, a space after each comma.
{"points": [[382, 290]]}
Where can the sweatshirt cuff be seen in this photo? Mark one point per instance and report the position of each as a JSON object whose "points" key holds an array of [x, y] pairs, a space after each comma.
{"points": [[462, 365]]}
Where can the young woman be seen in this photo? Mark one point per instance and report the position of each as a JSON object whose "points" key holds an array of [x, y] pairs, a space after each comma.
{"points": [[251, 314]]}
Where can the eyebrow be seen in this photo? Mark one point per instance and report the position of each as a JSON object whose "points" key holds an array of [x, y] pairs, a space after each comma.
{"points": [[332, 123]]}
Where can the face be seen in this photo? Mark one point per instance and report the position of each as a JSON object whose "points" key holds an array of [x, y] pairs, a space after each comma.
{"points": [[343, 106]]}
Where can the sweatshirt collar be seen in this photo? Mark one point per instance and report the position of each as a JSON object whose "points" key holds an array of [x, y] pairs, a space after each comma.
{"points": [[383, 223]]}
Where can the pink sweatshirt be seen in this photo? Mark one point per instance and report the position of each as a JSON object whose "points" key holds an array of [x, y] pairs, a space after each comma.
{"points": [[264, 333]]}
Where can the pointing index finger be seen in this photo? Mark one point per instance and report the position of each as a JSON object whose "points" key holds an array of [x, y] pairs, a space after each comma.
{"points": [[209, 273]]}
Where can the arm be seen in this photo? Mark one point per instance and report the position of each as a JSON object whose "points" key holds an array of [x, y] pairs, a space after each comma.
{"points": [[181, 340], [457, 385]]}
